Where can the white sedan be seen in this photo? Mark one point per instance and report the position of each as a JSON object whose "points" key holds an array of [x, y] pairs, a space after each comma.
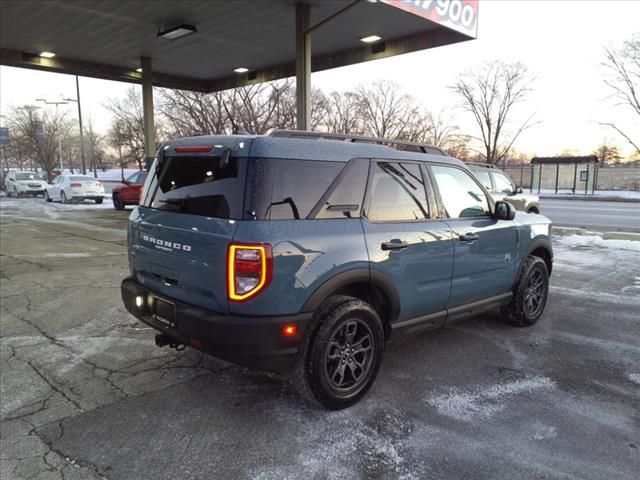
{"points": [[67, 188]]}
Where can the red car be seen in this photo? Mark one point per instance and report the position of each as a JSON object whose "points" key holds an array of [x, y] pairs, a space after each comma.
{"points": [[128, 193]]}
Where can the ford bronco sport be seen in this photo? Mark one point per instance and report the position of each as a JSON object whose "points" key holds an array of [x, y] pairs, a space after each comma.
{"points": [[301, 254]]}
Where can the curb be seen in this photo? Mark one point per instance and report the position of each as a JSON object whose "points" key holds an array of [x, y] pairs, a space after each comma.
{"points": [[565, 231], [590, 198]]}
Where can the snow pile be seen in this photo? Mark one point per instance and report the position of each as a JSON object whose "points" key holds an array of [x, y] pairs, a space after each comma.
{"points": [[485, 402], [116, 174], [576, 241]]}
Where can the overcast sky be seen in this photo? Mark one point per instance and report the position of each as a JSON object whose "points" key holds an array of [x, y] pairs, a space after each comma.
{"points": [[562, 42]]}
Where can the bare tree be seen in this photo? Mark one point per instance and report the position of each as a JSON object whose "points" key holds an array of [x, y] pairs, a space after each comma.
{"points": [[623, 80], [255, 109], [40, 133], [127, 113], [342, 113], [490, 93], [95, 146], [386, 110], [607, 153], [193, 113]]}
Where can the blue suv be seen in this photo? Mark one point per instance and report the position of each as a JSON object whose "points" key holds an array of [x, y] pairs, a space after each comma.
{"points": [[304, 253]]}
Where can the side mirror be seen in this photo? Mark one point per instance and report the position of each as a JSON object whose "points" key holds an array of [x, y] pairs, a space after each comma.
{"points": [[518, 189], [504, 211]]}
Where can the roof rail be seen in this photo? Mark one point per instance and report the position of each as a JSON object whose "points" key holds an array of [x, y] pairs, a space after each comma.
{"points": [[422, 147], [481, 164]]}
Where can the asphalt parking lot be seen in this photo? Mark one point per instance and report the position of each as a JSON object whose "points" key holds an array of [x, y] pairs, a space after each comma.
{"points": [[86, 394]]}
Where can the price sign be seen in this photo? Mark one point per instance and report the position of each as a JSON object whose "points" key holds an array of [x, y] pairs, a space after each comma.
{"points": [[458, 15]]}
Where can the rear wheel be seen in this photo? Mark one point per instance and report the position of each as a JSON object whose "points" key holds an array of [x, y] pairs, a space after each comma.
{"points": [[341, 353], [117, 203], [529, 294], [63, 197], [99, 200], [47, 198]]}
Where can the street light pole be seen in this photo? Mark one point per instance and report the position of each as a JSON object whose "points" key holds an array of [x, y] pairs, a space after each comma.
{"points": [[77, 100], [56, 103]]}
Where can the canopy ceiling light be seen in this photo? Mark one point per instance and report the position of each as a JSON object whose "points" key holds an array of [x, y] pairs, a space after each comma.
{"points": [[370, 39], [47, 54], [241, 70], [176, 32]]}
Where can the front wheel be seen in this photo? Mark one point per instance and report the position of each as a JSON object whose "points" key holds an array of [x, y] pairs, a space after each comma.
{"points": [[47, 198], [529, 293], [341, 353]]}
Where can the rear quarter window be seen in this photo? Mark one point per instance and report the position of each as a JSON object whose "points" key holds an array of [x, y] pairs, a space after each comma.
{"points": [[283, 189]]}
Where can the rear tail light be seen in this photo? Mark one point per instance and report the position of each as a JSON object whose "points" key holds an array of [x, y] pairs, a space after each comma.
{"points": [[76, 185], [249, 270]]}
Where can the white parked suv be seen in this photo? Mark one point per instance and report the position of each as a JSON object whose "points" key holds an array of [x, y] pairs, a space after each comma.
{"points": [[24, 183], [67, 188]]}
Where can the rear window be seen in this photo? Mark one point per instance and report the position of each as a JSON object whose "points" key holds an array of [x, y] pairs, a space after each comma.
{"points": [[198, 185], [77, 178]]}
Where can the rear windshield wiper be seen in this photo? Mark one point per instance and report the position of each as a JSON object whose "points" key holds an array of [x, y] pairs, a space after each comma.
{"points": [[180, 202]]}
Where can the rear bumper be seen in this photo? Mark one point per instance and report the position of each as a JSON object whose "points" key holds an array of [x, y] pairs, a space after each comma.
{"points": [[254, 342], [86, 197]]}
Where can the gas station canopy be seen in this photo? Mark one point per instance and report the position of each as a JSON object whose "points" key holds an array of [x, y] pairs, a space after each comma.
{"points": [[257, 38]]}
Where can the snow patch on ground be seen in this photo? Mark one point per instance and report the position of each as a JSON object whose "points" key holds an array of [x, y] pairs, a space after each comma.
{"points": [[634, 377], [483, 403], [577, 241]]}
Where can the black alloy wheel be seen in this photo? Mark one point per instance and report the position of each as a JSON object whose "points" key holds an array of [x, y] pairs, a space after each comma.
{"points": [[349, 355]]}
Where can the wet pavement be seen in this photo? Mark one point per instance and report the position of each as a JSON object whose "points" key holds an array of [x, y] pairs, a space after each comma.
{"points": [[86, 394]]}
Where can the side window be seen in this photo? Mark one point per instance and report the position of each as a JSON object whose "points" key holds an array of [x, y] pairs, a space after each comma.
{"points": [[344, 197], [503, 184], [397, 193], [485, 179], [461, 196], [298, 185]]}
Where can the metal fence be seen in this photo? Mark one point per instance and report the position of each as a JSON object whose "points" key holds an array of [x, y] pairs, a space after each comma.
{"points": [[584, 179]]}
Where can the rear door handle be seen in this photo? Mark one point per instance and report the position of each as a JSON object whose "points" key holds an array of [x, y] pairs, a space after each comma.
{"points": [[469, 237], [394, 245]]}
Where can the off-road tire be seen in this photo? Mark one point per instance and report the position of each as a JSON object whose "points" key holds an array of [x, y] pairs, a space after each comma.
{"points": [[518, 312], [310, 375], [117, 203]]}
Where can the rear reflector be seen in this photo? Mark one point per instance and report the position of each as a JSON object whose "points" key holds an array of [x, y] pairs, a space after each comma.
{"points": [[289, 330], [194, 149], [249, 270]]}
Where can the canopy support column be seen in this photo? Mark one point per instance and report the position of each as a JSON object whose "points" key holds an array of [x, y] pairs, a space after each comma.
{"points": [[147, 112], [303, 67]]}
